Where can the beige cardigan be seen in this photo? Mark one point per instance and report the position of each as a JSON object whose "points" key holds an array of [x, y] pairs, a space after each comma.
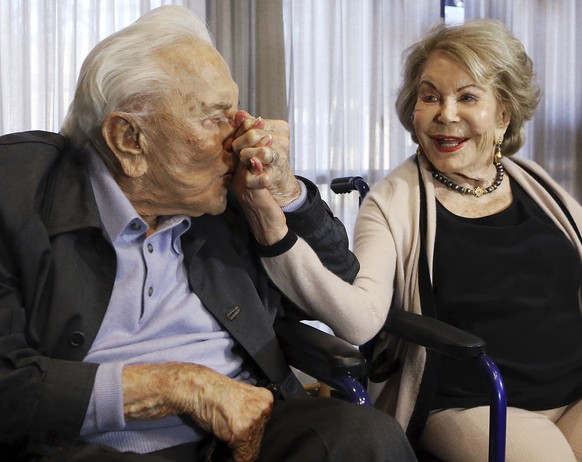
{"points": [[387, 244]]}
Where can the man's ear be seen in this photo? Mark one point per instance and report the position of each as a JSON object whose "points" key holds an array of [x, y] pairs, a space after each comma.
{"points": [[122, 135]]}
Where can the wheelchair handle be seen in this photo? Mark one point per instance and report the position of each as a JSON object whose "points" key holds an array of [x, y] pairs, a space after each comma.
{"points": [[348, 184]]}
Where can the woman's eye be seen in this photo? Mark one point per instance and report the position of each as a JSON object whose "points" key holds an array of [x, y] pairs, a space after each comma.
{"points": [[468, 98], [428, 98]]}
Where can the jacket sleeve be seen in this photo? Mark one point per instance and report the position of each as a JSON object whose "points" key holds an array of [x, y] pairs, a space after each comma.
{"points": [[326, 235], [42, 397], [44, 386]]}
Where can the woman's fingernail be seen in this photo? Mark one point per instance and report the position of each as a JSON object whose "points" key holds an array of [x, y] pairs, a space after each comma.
{"points": [[256, 165], [266, 140]]}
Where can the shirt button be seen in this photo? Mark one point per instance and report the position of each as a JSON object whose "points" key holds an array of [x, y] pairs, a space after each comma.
{"points": [[150, 248], [76, 339], [136, 226], [150, 291]]}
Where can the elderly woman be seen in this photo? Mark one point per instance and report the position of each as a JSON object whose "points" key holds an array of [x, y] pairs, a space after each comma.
{"points": [[500, 244]]}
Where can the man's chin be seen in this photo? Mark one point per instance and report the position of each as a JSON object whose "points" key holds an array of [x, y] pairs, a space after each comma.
{"points": [[217, 207]]}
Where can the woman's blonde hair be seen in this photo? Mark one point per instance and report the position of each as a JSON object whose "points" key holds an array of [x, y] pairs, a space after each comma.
{"points": [[492, 56]]}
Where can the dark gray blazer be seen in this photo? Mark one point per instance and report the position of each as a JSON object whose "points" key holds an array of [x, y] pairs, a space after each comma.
{"points": [[57, 273]]}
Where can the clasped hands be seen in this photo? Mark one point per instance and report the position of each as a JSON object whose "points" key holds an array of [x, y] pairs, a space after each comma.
{"points": [[264, 181]]}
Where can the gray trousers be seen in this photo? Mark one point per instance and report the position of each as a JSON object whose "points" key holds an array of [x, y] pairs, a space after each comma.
{"points": [[299, 430]]}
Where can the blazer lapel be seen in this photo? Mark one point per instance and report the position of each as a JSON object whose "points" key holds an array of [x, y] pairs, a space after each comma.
{"points": [[217, 276]]}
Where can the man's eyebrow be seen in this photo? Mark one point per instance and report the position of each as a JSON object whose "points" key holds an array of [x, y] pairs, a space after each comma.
{"points": [[218, 107]]}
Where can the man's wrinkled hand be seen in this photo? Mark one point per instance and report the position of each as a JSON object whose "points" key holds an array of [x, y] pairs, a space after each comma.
{"points": [[234, 412]]}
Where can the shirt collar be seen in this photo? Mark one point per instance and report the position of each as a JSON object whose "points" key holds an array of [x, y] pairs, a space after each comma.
{"points": [[119, 217]]}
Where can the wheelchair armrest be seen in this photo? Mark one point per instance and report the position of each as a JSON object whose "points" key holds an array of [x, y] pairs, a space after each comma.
{"points": [[318, 353], [434, 334]]}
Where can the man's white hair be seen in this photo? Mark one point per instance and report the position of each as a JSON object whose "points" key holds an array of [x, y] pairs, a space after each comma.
{"points": [[123, 70]]}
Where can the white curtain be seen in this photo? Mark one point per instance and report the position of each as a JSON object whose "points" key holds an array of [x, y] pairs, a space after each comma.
{"points": [[551, 35], [249, 35], [44, 43], [343, 69]]}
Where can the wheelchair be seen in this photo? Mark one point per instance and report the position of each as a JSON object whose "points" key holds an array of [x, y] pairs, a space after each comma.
{"points": [[347, 369]]}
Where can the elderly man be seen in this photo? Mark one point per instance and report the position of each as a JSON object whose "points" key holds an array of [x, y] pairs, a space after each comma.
{"points": [[136, 322]]}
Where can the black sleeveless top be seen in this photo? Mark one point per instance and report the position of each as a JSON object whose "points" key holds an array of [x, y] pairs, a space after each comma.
{"points": [[513, 279]]}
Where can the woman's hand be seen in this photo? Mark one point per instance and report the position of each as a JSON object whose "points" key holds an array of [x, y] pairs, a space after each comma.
{"points": [[264, 181]]}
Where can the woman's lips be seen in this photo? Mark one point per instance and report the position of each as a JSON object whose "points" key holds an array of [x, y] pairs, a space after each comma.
{"points": [[449, 144]]}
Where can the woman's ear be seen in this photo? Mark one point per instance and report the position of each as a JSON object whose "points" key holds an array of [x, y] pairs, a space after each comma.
{"points": [[122, 135], [503, 118]]}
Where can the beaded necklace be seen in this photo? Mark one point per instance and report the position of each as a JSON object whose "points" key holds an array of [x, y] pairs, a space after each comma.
{"points": [[478, 191]]}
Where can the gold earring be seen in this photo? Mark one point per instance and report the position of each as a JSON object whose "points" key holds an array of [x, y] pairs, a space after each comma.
{"points": [[498, 154], [418, 150]]}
